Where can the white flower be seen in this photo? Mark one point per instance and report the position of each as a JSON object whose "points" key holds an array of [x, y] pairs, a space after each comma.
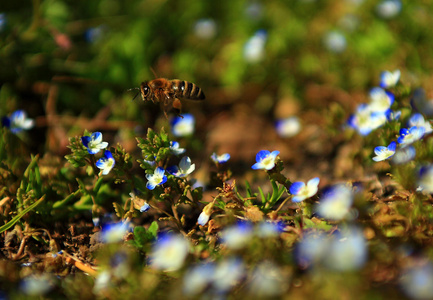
{"points": [[227, 274], [381, 100], [404, 155], [94, 143], [183, 126], [300, 191], [220, 159], [265, 160], [335, 41], [18, 121], [389, 79], [411, 135], [267, 281], [185, 168], [198, 278], [169, 252], [288, 127], [389, 8], [254, 48], [175, 149], [417, 280], [336, 203], [425, 179], [205, 29], [106, 163], [383, 152], [157, 178], [417, 120], [114, 232], [237, 236]]}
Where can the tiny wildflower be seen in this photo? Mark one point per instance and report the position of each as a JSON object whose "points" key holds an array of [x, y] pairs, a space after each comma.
{"points": [[288, 127], [205, 29], [365, 120], [198, 278], [18, 121], [94, 143], [37, 285], [383, 152], [169, 252], [425, 179], [404, 155], [418, 120], [185, 168], [420, 102], [311, 249], [416, 280], [254, 48], [393, 115], [183, 126], [389, 79], [228, 273], [267, 280], [236, 236], [347, 250], [175, 149], [388, 9], [411, 135], [381, 100], [157, 178], [102, 281], [335, 203], [114, 232], [300, 191], [106, 163], [335, 41], [265, 160], [205, 214], [268, 229], [220, 159], [94, 34], [145, 207]]}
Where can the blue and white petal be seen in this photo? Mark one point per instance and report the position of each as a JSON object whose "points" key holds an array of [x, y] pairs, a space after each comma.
{"points": [[265, 160], [389, 79], [383, 153], [220, 159], [380, 100], [175, 149], [411, 135], [106, 163], [418, 120], [183, 126], [157, 178]]}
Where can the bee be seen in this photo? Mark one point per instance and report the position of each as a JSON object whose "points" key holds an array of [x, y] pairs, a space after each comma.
{"points": [[169, 92]]}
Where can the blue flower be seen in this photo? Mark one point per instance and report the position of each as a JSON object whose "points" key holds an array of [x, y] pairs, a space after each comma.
{"points": [[169, 252], [417, 120], [425, 179], [157, 178], [175, 149], [145, 207], [392, 115], [205, 29], [185, 168], [114, 232], [254, 48], [411, 135], [300, 191], [388, 9], [381, 100], [198, 278], [404, 155], [18, 121], [335, 203], [389, 79], [220, 159], [335, 41], [417, 278], [106, 163], [183, 126], [94, 143], [383, 152], [237, 236], [365, 120], [288, 127], [265, 160]]}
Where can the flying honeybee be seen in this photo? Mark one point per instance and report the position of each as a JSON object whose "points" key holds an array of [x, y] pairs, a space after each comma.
{"points": [[169, 92]]}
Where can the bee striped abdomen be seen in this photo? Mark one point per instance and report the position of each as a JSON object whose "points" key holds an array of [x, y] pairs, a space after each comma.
{"points": [[187, 90]]}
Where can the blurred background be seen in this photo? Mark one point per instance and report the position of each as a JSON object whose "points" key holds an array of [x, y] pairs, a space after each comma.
{"points": [[69, 65]]}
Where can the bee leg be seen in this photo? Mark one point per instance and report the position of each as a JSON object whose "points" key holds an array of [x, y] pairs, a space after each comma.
{"points": [[178, 106]]}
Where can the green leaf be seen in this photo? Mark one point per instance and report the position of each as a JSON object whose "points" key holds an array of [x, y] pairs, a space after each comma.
{"points": [[12, 222]]}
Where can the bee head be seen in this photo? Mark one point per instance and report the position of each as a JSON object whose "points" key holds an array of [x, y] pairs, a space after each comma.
{"points": [[145, 90]]}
